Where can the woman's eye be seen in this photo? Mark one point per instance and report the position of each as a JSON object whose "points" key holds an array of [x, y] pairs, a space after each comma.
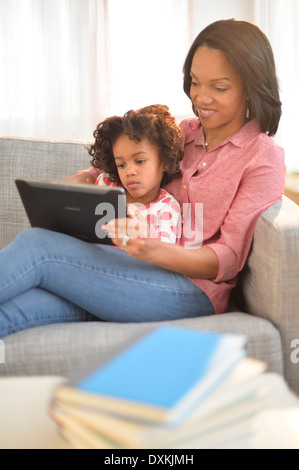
{"points": [[221, 90]]}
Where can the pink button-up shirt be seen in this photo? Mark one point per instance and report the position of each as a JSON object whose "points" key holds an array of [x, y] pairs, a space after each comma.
{"points": [[233, 184]]}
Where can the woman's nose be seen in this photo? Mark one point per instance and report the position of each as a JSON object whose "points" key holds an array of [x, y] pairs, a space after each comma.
{"points": [[202, 98]]}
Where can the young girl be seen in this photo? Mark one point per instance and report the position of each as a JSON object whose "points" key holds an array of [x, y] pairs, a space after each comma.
{"points": [[141, 151]]}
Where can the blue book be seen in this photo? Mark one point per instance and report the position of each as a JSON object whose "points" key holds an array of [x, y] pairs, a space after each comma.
{"points": [[159, 378]]}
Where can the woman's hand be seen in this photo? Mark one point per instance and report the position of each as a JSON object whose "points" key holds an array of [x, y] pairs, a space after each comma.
{"points": [[132, 235], [83, 177]]}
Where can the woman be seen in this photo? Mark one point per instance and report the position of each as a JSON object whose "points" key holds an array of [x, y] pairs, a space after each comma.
{"points": [[231, 172]]}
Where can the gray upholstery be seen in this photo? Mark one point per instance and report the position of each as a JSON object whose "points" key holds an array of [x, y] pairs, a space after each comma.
{"points": [[266, 299], [21, 158], [61, 348]]}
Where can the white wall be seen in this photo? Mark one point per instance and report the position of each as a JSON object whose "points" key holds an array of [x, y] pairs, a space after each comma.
{"points": [[208, 11]]}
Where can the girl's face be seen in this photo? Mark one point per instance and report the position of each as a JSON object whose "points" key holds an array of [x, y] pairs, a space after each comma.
{"points": [[139, 167], [217, 93]]}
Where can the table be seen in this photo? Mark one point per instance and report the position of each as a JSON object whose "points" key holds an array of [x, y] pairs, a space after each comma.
{"points": [[277, 426], [26, 424], [24, 419]]}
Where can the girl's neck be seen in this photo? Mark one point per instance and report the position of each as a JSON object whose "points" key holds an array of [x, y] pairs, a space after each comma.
{"points": [[143, 200]]}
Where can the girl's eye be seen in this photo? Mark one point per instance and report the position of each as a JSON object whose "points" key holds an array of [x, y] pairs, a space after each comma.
{"points": [[140, 162], [121, 165]]}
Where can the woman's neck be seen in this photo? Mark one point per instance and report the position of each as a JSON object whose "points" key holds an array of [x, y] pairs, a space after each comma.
{"points": [[215, 137]]}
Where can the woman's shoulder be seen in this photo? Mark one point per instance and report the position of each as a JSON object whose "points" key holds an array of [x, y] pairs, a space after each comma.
{"points": [[189, 126], [266, 147], [263, 155], [256, 147]]}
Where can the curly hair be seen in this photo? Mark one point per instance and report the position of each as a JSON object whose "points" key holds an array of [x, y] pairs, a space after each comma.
{"points": [[155, 123]]}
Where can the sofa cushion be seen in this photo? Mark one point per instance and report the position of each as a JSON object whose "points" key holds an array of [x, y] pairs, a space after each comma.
{"points": [[62, 349]]}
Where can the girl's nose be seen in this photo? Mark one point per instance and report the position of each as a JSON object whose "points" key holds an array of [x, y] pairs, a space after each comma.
{"points": [[131, 170]]}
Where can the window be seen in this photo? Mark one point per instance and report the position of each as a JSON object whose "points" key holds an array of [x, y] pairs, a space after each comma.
{"points": [[69, 64], [279, 19]]}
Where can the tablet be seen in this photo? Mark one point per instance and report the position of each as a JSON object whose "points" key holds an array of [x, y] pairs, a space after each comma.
{"points": [[74, 209]]}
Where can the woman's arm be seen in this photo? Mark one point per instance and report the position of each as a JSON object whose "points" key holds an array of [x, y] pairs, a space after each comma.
{"points": [[87, 176], [84, 177], [198, 263]]}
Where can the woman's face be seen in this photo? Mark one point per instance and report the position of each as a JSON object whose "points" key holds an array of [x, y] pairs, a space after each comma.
{"points": [[217, 93]]}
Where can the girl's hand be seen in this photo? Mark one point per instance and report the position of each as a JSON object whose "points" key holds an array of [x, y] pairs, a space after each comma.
{"points": [[131, 234]]}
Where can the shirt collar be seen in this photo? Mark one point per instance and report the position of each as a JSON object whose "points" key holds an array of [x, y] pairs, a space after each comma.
{"points": [[239, 138]]}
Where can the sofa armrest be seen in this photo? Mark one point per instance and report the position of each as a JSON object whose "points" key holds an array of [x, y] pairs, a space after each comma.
{"points": [[270, 279]]}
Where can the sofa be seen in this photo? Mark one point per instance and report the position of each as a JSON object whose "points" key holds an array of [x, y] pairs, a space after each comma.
{"points": [[264, 307]]}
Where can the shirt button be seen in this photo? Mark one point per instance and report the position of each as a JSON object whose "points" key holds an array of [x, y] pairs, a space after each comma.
{"points": [[204, 164], [184, 186]]}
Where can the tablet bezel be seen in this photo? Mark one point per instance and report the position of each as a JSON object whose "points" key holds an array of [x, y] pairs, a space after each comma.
{"points": [[70, 208]]}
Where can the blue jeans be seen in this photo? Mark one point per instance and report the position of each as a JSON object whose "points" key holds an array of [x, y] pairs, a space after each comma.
{"points": [[47, 277]]}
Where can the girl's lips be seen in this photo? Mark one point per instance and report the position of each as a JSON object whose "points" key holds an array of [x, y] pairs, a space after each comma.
{"points": [[132, 184]]}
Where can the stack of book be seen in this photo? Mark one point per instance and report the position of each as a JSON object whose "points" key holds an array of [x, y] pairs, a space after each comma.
{"points": [[171, 388]]}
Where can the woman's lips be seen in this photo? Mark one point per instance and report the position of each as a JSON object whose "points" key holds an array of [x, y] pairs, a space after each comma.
{"points": [[206, 113]]}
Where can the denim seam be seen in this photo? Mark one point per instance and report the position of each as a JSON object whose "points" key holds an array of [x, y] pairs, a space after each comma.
{"points": [[135, 280], [97, 270]]}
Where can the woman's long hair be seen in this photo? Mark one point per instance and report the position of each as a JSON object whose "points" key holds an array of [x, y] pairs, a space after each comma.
{"points": [[249, 52]]}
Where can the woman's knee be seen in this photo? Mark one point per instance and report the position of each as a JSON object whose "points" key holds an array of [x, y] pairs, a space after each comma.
{"points": [[31, 235]]}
